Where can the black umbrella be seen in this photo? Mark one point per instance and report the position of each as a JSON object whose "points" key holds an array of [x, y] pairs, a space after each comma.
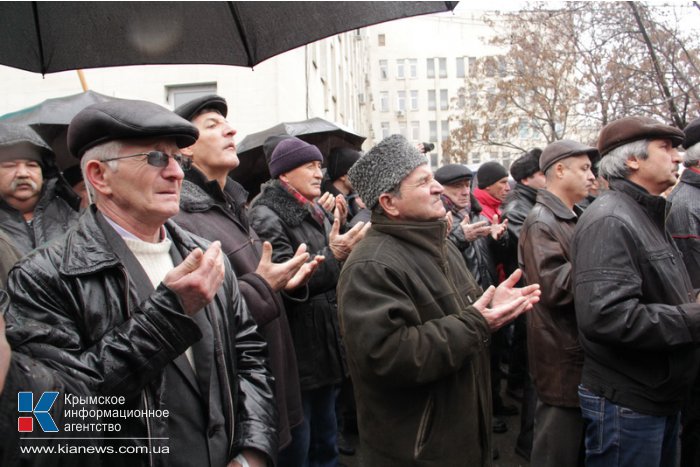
{"points": [[51, 117], [47, 37], [323, 134]]}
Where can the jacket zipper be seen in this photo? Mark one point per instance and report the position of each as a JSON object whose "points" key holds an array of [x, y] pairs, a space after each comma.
{"points": [[422, 433]]}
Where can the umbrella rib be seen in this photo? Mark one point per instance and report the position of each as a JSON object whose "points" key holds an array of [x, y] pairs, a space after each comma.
{"points": [[237, 18], [38, 37]]}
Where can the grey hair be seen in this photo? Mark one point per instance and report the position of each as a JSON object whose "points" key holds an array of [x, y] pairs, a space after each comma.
{"points": [[395, 192], [99, 153], [614, 163], [692, 156]]}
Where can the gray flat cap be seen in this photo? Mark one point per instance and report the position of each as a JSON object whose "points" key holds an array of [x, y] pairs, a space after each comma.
{"points": [[564, 148], [126, 119]]}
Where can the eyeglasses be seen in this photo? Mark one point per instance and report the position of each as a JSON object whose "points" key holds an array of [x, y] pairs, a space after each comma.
{"points": [[159, 159]]}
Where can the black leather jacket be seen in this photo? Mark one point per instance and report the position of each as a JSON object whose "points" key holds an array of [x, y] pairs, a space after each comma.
{"points": [[53, 216], [516, 207], [75, 309], [639, 324]]}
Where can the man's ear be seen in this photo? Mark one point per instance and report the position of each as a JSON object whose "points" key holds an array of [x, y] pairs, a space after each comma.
{"points": [[98, 176], [632, 163], [388, 204], [187, 151]]}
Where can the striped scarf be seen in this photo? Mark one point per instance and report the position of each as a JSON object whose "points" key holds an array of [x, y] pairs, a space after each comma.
{"points": [[314, 209]]}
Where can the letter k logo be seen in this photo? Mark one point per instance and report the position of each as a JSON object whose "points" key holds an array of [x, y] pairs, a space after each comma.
{"points": [[25, 403]]}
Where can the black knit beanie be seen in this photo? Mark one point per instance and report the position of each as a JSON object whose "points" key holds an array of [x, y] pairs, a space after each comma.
{"points": [[489, 173]]}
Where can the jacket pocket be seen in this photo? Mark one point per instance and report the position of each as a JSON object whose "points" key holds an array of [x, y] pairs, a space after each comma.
{"points": [[425, 427]]}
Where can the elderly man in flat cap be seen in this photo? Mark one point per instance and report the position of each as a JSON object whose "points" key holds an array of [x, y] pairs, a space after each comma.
{"points": [[554, 353], [35, 204], [213, 206], [637, 312], [416, 324], [143, 313], [684, 224]]}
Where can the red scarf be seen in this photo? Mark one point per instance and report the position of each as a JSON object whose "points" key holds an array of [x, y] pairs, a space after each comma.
{"points": [[489, 204]]}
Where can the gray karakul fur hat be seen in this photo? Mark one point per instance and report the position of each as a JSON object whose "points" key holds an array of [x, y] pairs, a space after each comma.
{"points": [[383, 168]]}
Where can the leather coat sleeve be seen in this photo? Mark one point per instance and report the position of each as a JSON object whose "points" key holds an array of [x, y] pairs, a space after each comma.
{"points": [[256, 412], [54, 325], [384, 335], [545, 262], [610, 291]]}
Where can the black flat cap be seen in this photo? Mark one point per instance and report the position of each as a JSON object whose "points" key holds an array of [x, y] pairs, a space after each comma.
{"points": [[629, 129], [190, 109], [564, 148], [126, 119], [692, 133], [453, 173]]}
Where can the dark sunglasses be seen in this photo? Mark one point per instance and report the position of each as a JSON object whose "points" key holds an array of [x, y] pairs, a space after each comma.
{"points": [[159, 159]]}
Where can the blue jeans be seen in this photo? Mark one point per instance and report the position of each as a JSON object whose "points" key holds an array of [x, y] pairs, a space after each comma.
{"points": [[617, 436], [314, 441]]}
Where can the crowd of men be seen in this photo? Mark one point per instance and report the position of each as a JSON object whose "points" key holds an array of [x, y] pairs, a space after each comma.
{"points": [[159, 317]]}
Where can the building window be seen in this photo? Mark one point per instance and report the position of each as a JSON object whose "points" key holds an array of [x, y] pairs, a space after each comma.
{"points": [[384, 101], [383, 69], [413, 68], [472, 66], [385, 130], [381, 39], [400, 72], [181, 94], [430, 64], [433, 130], [443, 67], [415, 130], [432, 105], [444, 100], [414, 100], [476, 158], [403, 129], [460, 67], [445, 130], [401, 101]]}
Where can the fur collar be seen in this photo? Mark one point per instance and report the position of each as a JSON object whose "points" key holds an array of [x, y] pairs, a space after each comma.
{"points": [[273, 196]]}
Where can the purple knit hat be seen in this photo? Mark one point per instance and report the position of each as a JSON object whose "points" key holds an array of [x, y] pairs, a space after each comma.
{"points": [[290, 153]]}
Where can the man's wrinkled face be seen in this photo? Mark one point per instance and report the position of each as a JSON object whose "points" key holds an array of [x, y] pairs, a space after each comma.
{"points": [[659, 170], [137, 190], [499, 190], [21, 181], [458, 193], [419, 198], [215, 149], [306, 179]]}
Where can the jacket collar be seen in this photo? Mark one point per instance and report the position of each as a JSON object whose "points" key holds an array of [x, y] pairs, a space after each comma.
{"points": [[691, 177], [87, 249], [525, 191], [654, 205], [201, 194], [275, 197], [560, 210], [430, 236]]}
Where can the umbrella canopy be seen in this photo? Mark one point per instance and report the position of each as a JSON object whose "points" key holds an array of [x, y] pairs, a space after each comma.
{"points": [[50, 120], [47, 37], [323, 134]]}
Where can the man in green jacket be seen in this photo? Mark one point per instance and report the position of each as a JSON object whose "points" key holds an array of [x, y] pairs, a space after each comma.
{"points": [[416, 325]]}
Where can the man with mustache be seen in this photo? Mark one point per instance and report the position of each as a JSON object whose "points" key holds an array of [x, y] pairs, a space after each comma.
{"points": [[35, 204], [637, 313]]}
